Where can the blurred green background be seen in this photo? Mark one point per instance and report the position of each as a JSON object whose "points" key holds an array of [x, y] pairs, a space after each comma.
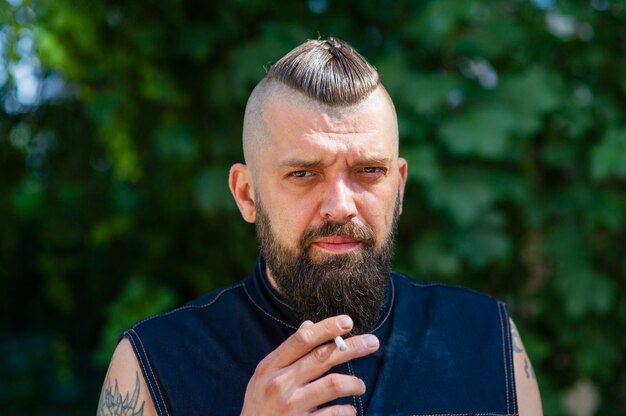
{"points": [[119, 121]]}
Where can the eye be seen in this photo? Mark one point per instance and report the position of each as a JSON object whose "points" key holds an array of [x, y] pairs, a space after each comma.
{"points": [[301, 174], [372, 170]]}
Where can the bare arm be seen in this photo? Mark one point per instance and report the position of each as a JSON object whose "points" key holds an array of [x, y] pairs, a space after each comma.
{"points": [[124, 391], [528, 398]]}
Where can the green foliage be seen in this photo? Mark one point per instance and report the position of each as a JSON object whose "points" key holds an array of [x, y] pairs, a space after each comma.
{"points": [[609, 156], [113, 196], [137, 301]]}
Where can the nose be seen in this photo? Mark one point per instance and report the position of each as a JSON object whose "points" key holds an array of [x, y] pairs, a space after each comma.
{"points": [[338, 204]]}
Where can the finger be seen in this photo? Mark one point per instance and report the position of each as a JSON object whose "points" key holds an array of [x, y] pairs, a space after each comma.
{"points": [[328, 388], [324, 357], [306, 338], [339, 410]]}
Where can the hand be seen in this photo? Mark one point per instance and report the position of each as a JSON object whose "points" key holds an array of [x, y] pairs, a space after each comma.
{"points": [[286, 381]]}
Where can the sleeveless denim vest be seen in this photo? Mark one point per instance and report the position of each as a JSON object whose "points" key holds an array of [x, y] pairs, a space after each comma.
{"points": [[443, 351]]}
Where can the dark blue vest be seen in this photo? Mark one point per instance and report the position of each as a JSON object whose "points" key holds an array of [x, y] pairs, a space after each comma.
{"points": [[444, 351]]}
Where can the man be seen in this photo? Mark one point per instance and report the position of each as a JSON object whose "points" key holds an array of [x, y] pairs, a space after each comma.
{"points": [[324, 184]]}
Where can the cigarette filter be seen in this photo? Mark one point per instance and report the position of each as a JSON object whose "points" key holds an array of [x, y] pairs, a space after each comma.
{"points": [[341, 344]]}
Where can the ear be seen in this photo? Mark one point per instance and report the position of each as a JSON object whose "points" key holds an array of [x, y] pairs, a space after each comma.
{"points": [[242, 188], [403, 168]]}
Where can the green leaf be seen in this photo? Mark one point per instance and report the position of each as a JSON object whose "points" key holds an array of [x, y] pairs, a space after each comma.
{"points": [[608, 158], [57, 287], [585, 291], [263, 51], [156, 85], [20, 136], [608, 209], [121, 151], [531, 94], [463, 197], [395, 75], [433, 257], [427, 93], [27, 198], [482, 131], [138, 300], [423, 93], [104, 231], [490, 36], [197, 41], [559, 154], [422, 162], [467, 193], [439, 19], [484, 242], [176, 142], [211, 190], [595, 359]]}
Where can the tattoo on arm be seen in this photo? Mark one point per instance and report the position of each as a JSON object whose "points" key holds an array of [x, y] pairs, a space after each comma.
{"points": [[528, 369], [113, 404], [518, 347], [517, 340]]}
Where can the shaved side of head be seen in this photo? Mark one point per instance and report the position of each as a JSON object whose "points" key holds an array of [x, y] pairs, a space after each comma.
{"points": [[255, 131], [325, 74]]}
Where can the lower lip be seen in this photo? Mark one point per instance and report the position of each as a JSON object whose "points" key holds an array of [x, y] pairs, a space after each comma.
{"points": [[337, 248]]}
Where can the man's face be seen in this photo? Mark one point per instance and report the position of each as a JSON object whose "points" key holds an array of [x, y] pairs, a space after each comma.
{"points": [[328, 184], [352, 283]]}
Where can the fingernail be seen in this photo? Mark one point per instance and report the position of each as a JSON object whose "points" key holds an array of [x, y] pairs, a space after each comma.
{"points": [[370, 341], [344, 322]]}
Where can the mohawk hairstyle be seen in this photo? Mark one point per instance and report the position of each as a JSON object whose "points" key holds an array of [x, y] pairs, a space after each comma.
{"points": [[329, 71]]}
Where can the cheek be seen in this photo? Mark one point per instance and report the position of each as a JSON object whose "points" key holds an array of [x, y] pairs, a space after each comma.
{"points": [[289, 221], [377, 211]]}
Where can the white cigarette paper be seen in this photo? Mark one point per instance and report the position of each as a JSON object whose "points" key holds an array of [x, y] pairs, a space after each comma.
{"points": [[341, 344]]}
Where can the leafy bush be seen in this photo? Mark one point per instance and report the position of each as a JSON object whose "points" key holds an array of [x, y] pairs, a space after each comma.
{"points": [[113, 194]]}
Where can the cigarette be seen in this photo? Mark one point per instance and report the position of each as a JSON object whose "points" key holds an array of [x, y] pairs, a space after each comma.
{"points": [[341, 344]]}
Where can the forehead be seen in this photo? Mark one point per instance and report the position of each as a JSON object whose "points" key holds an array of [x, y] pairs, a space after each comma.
{"points": [[296, 123]]}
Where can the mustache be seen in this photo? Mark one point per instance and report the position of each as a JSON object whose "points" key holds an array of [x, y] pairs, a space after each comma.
{"points": [[362, 232]]}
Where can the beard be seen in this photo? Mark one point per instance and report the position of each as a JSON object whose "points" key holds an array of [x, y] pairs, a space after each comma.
{"points": [[352, 283]]}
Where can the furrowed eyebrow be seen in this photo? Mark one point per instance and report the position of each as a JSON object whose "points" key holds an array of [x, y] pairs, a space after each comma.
{"points": [[300, 163], [374, 161], [311, 164]]}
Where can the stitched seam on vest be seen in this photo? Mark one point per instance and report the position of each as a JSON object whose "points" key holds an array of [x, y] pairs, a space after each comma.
{"points": [[361, 411], [510, 357], [356, 406], [452, 287], [279, 300], [506, 367], [393, 292], [271, 292], [152, 372], [148, 379], [391, 303], [446, 286], [427, 284], [182, 308], [266, 313], [511, 361]]}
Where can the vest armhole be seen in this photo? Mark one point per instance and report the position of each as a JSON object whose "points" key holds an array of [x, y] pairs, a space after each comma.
{"points": [[147, 371], [507, 351]]}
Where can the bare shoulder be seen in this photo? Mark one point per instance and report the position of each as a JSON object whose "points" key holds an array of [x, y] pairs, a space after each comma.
{"points": [[528, 397], [124, 391]]}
